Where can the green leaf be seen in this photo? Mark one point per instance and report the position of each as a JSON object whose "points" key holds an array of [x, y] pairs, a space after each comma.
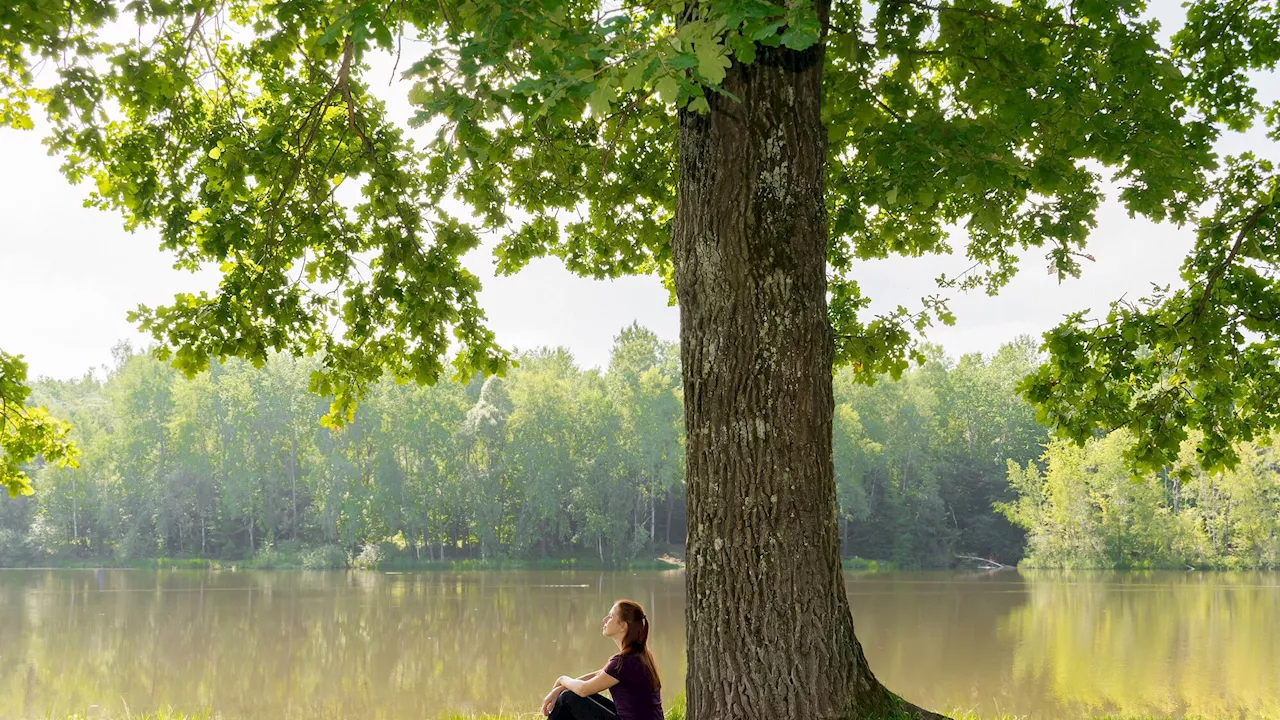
{"points": [[712, 62], [800, 37], [634, 78], [601, 99], [668, 88]]}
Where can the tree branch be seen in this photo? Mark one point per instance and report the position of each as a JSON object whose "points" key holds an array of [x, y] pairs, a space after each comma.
{"points": [[1250, 223]]}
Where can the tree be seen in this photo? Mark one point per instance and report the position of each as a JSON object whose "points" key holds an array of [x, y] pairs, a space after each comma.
{"points": [[542, 449], [26, 433], [643, 380], [748, 152], [483, 439]]}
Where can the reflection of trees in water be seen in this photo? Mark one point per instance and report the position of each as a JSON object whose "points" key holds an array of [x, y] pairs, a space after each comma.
{"points": [[1201, 644], [333, 643], [380, 645], [932, 637]]}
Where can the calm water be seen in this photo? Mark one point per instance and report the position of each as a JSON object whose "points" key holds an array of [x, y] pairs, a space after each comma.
{"points": [[394, 646]]}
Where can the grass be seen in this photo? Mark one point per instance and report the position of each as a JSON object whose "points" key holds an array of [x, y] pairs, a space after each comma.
{"points": [[675, 711], [672, 713]]}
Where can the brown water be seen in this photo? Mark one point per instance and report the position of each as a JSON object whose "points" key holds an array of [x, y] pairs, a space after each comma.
{"points": [[383, 645]]}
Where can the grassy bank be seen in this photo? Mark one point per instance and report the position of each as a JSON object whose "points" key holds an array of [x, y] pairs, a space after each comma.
{"points": [[332, 558], [863, 565], [296, 556], [675, 711]]}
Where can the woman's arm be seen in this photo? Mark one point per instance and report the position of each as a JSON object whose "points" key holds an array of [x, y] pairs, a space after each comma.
{"points": [[588, 684], [559, 688], [550, 700]]}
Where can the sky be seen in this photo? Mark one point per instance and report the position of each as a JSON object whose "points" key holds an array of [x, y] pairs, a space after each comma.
{"points": [[70, 274]]}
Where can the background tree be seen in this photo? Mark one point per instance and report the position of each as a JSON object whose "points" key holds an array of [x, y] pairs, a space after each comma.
{"points": [[643, 379], [746, 151]]}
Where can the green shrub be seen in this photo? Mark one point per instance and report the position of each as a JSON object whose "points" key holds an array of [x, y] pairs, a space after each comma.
{"points": [[187, 563], [370, 557], [325, 557], [273, 558], [864, 565], [15, 551]]}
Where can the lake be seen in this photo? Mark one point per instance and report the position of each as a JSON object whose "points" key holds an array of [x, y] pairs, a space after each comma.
{"points": [[388, 645]]}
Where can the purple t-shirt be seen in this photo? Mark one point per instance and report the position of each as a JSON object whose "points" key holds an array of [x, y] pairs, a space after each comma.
{"points": [[634, 694]]}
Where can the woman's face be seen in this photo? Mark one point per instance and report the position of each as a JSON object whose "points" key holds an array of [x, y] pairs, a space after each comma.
{"points": [[612, 626]]}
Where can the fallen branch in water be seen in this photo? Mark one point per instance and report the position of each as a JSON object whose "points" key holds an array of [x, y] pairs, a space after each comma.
{"points": [[991, 564]]}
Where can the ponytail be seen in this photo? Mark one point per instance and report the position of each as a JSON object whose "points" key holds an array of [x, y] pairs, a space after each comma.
{"points": [[636, 641]]}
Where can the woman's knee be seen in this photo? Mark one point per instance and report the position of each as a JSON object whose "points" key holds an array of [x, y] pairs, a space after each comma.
{"points": [[570, 698], [586, 708]]}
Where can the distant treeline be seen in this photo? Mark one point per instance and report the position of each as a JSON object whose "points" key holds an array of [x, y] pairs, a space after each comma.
{"points": [[554, 461]]}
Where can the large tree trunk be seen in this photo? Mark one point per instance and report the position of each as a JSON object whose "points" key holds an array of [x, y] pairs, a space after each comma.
{"points": [[770, 633]]}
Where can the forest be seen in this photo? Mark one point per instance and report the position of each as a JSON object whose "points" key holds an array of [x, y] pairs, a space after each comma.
{"points": [[944, 466]]}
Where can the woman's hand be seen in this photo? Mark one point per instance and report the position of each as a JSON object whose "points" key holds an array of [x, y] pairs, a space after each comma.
{"points": [[550, 700]]}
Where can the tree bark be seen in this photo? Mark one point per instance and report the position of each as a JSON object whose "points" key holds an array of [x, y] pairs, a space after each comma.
{"points": [[770, 632]]}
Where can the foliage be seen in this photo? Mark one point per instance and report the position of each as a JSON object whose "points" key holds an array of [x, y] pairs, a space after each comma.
{"points": [[26, 433], [230, 465], [1202, 357], [369, 558], [551, 464], [274, 558], [15, 548], [1086, 509], [919, 462], [554, 464], [246, 133], [325, 557], [858, 564]]}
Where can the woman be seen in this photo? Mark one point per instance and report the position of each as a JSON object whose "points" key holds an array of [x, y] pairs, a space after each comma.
{"points": [[631, 676]]}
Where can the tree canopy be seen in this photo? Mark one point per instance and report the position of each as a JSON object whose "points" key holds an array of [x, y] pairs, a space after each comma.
{"points": [[246, 133]]}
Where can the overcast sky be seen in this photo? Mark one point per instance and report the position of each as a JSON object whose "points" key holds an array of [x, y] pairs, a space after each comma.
{"points": [[69, 274]]}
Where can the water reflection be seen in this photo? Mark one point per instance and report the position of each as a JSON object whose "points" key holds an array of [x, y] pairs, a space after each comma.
{"points": [[411, 645], [1157, 643], [361, 644], [1056, 644]]}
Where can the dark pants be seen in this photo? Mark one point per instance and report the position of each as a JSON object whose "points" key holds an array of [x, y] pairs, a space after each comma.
{"points": [[571, 706]]}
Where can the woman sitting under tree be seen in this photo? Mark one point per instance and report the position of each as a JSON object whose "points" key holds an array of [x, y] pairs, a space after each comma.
{"points": [[631, 676]]}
